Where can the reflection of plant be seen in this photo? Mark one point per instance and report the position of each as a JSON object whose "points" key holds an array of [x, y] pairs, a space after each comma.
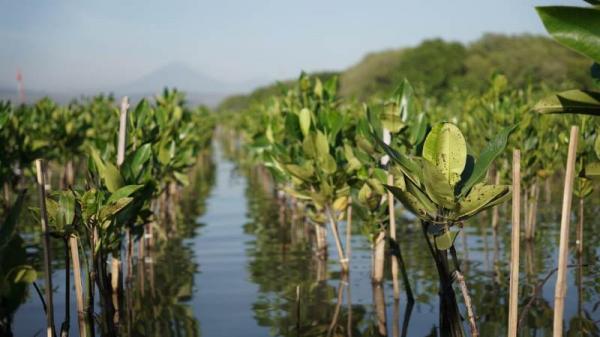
{"points": [[442, 188], [160, 310], [15, 273]]}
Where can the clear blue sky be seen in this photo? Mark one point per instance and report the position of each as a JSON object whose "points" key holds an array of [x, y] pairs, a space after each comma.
{"points": [[84, 45]]}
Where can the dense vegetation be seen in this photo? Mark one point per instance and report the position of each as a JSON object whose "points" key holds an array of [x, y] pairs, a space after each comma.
{"points": [[437, 68]]}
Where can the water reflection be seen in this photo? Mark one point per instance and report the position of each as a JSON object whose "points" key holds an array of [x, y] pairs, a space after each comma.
{"points": [[252, 271]]}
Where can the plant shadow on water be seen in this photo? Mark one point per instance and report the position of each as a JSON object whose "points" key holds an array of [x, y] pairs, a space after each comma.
{"points": [[291, 292]]}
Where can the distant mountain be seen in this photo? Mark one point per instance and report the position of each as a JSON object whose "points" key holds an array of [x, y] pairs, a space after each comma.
{"points": [[178, 75]]}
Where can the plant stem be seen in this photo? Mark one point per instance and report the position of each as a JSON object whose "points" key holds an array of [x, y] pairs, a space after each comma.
{"points": [[40, 168], [338, 242]]}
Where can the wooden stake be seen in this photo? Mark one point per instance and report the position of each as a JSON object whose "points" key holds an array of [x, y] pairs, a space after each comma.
{"points": [[78, 285], [39, 165], [122, 132], [513, 304], [563, 251], [349, 230], [379, 257]]}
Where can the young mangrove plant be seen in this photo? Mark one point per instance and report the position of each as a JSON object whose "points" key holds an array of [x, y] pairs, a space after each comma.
{"points": [[443, 188]]}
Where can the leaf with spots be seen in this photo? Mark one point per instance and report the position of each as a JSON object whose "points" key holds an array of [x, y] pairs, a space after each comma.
{"points": [[446, 148]]}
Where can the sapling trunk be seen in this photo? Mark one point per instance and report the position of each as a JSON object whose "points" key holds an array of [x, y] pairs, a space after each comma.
{"points": [[40, 168], [338, 307], [338, 242], [450, 319], [392, 215], [563, 251]]}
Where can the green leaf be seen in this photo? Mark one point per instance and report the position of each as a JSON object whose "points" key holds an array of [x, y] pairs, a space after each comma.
{"points": [[411, 169], [446, 240], [302, 172], [570, 101], [66, 203], [321, 144], [481, 197], [107, 171], [411, 203], [112, 178], [592, 170], [113, 208], [182, 178], [445, 147], [123, 192], [23, 274], [328, 164], [575, 27], [436, 186], [487, 156], [140, 159], [304, 118]]}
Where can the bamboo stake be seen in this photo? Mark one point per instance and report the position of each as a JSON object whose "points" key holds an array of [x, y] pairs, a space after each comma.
{"points": [[78, 285], [514, 255], [379, 257], [39, 165], [122, 132], [561, 279], [349, 230]]}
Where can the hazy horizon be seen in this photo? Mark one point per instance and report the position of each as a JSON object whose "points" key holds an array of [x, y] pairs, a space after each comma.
{"points": [[82, 47]]}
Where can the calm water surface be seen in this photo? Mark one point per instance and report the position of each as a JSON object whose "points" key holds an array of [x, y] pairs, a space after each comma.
{"points": [[241, 272]]}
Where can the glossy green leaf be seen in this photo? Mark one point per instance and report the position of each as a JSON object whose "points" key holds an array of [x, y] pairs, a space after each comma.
{"points": [[410, 168], [570, 101], [23, 274], [446, 148], [123, 192], [301, 172], [481, 197], [304, 118], [321, 144], [575, 27], [492, 150], [437, 187], [140, 159], [446, 240], [410, 202], [112, 178], [113, 208], [66, 202]]}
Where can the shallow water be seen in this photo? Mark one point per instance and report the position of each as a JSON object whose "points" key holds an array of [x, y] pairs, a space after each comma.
{"points": [[244, 273]]}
